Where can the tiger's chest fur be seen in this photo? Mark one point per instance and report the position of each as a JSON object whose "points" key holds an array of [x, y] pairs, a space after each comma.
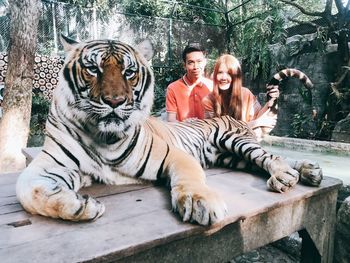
{"points": [[124, 161]]}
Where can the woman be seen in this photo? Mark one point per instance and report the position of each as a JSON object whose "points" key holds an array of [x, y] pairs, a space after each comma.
{"points": [[229, 97]]}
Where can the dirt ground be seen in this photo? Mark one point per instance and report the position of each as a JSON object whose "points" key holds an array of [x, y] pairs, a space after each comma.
{"points": [[286, 250]]}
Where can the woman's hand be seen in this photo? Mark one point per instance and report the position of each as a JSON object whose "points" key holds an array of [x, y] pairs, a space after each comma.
{"points": [[274, 92]]}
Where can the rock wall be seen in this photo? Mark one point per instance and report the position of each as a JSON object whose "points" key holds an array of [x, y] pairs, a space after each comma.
{"points": [[342, 236], [297, 116]]}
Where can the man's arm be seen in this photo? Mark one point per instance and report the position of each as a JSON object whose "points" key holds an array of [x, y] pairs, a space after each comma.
{"points": [[171, 105]]}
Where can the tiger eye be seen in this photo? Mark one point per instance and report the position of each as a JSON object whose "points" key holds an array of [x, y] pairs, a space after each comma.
{"points": [[92, 70], [130, 73]]}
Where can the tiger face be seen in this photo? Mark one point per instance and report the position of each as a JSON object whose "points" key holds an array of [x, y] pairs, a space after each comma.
{"points": [[108, 84]]}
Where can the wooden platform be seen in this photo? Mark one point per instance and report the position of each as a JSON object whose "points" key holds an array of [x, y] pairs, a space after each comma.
{"points": [[139, 226]]}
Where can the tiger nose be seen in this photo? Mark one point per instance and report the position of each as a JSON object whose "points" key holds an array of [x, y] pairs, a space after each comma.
{"points": [[113, 101]]}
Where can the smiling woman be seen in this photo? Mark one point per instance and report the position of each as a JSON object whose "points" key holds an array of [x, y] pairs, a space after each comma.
{"points": [[229, 97]]}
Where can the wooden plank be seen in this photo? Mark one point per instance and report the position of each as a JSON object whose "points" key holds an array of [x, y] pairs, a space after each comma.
{"points": [[101, 190], [138, 219], [114, 233], [250, 191], [240, 237], [14, 217], [125, 226], [10, 205], [8, 179]]}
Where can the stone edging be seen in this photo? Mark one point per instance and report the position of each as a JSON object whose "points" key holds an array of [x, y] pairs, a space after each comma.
{"points": [[308, 145]]}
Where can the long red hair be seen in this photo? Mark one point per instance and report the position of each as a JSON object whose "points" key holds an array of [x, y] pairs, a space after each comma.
{"points": [[228, 102]]}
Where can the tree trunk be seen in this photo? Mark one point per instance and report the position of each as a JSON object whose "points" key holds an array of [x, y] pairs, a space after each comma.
{"points": [[14, 125]]}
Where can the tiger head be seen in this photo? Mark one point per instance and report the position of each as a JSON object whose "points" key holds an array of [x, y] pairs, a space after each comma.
{"points": [[107, 85]]}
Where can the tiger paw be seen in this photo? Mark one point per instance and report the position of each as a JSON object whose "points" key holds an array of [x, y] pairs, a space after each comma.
{"points": [[281, 181], [283, 177], [310, 173], [93, 209], [84, 208], [198, 204]]}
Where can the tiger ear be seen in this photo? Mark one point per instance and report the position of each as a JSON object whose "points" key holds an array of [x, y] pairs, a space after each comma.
{"points": [[145, 48], [67, 43]]}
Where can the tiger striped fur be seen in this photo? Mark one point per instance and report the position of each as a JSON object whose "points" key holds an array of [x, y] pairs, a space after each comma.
{"points": [[99, 128]]}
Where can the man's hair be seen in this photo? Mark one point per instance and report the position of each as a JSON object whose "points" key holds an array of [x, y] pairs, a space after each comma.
{"points": [[192, 47]]}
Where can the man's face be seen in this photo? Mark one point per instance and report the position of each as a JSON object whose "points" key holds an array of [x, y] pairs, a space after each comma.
{"points": [[195, 64]]}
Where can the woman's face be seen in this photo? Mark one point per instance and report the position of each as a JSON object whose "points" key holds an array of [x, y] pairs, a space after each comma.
{"points": [[223, 77]]}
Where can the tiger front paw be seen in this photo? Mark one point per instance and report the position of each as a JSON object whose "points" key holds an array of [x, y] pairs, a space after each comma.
{"points": [[198, 204], [80, 208], [281, 181], [283, 176], [310, 173], [90, 210]]}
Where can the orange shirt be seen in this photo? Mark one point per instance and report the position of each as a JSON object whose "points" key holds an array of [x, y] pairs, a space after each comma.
{"points": [[250, 105], [187, 103]]}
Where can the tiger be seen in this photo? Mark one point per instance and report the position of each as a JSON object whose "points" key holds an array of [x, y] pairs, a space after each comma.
{"points": [[100, 128]]}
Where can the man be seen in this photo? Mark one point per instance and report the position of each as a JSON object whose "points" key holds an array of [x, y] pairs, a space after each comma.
{"points": [[184, 96]]}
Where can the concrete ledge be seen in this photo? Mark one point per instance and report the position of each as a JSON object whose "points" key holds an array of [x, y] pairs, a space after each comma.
{"points": [[308, 145]]}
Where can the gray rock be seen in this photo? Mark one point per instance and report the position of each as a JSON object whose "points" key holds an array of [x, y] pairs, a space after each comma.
{"points": [[342, 240], [341, 132]]}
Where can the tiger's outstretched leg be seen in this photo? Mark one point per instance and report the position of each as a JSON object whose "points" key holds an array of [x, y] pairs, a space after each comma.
{"points": [[45, 189], [244, 146], [190, 195]]}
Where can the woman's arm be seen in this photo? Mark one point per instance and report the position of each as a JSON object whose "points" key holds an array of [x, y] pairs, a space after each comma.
{"points": [[264, 117]]}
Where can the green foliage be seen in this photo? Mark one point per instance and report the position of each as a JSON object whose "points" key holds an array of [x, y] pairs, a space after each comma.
{"points": [[146, 7], [163, 77], [320, 42], [211, 59], [300, 126], [189, 10], [252, 39], [83, 8], [305, 94], [101, 5], [208, 15], [47, 48], [40, 109], [294, 13]]}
